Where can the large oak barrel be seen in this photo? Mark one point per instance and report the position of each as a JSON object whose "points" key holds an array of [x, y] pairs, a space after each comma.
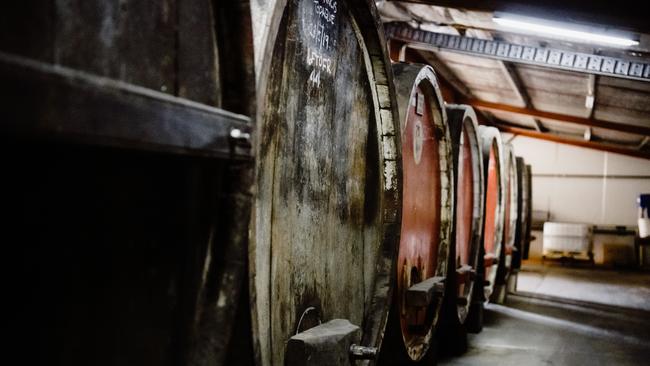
{"points": [[494, 179], [425, 234], [528, 209], [510, 218], [328, 202], [128, 195], [467, 160], [522, 211]]}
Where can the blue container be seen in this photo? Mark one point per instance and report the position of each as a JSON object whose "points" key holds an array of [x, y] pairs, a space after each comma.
{"points": [[644, 200]]}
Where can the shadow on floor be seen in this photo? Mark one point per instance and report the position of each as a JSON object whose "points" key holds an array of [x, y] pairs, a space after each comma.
{"points": [[533, 329]]}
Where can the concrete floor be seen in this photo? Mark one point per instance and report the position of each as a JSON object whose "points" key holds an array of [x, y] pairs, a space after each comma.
{"points": [[566, 316]]}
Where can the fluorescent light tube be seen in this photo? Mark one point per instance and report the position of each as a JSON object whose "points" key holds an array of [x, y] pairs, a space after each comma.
{"points": [[563, 32]]}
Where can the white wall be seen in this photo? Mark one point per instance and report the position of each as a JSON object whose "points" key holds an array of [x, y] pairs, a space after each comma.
{"points": [[606, 198], [599, 200]]}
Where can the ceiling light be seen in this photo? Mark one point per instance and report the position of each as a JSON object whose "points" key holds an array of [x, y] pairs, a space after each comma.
{"points": [[529, 26]]}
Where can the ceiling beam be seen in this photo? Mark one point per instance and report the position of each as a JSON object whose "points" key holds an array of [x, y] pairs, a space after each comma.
{"points": [[445, 72], [405, 52], [517, 85], [574, 142], [597, 13], [639, 130], [590, 100], [551, 58]]}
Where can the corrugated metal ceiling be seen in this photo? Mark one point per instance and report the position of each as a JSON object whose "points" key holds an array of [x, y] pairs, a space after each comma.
{"points": [[550, 90]]}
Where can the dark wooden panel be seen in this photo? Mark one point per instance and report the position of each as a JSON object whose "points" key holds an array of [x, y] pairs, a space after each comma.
{"points": [[236, 64], [198, 66], [62, 103], [129, 40], [105, 247], [27, 28]]}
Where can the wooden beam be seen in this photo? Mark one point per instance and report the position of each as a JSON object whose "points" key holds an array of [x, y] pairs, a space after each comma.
{"points": [[517, 85], [639, 130], [575, 142], [52, 102], [590, 101], [620, 15], [445, 72]]}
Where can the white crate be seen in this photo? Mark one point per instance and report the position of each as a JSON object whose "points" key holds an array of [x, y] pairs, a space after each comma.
{"points": [[566, 229], [567, 244], [567, 239]]}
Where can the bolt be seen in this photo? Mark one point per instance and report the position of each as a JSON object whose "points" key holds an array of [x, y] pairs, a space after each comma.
{"points": [[363, 353], [238, 134]]}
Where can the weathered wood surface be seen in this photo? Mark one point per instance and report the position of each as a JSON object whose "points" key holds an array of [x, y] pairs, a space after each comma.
{"points": [[509, 225], [196, 49], [469, 201], [132, 41], [109, 251], [236, 56], [147, 250], [425, 233], [328, 184], [522, 211], [325, 344], [494, 207], [529, 210], [198, 67], [67, 105], [511, 208]]}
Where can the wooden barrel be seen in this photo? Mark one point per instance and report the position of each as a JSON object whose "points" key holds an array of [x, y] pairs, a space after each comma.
{"points": [[130, 201], [467, 227], [328, 202], [426, 212], [522, 210], [528, 194], [511, 208], [494, 179]]}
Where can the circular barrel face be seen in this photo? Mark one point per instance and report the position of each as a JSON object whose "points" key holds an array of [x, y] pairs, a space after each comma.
{"points": [[465, 202], [528, 211], [468, 224], [511, 207], [507, 233], [420, 231], [492, 187], [325, 167]]}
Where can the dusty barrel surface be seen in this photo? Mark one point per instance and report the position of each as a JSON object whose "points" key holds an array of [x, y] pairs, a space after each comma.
{"points": [[425, 233], [528, 209], [494, 180], [512, 205], [510, 218], [522, 211], [469, 197], [327, 209], [137, 199]]}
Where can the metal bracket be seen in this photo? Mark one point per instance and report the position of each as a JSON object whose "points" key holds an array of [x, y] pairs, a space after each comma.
{"points": [[422, 294], [334, 343]]}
